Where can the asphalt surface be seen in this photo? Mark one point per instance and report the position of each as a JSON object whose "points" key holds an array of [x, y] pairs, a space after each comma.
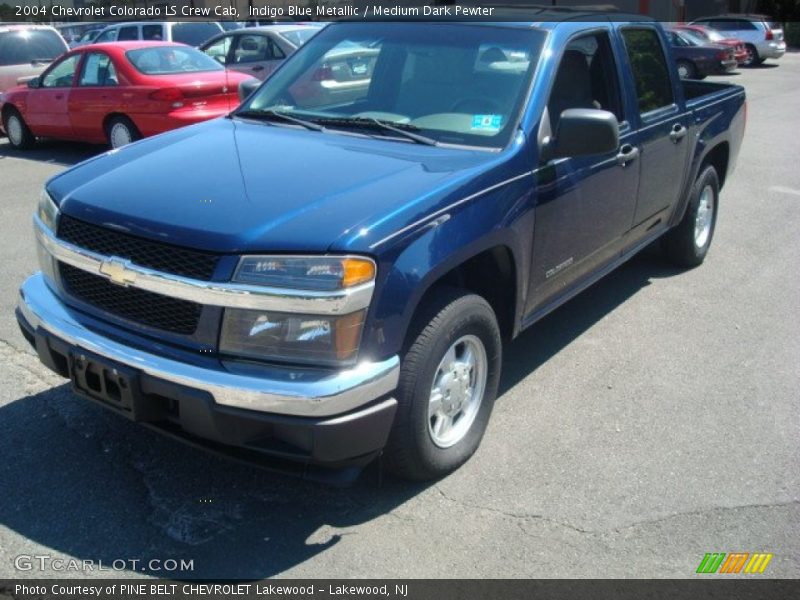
{"points": [[649, 421]]}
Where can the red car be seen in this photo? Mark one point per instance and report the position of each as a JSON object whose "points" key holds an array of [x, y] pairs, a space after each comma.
{"points": [[119, 92], [715, 37]]}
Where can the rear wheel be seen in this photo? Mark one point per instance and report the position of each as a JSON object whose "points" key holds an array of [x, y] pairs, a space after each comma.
{"points": [[121, 131], [753, 59], [687, 244], [686, 70], [19, 135], [448, 384]]}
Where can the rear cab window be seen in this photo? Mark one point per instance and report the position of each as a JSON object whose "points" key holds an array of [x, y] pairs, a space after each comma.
{"points": [[193, 34], [28, 45], [650, 70]]}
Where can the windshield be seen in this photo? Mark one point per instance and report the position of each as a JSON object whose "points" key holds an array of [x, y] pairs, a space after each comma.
{"points": [[454, 83], [168, 60], [26, 45]]}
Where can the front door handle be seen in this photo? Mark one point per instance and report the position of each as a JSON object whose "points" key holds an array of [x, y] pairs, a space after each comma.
{"points": [[678, 132], [627, 153]]}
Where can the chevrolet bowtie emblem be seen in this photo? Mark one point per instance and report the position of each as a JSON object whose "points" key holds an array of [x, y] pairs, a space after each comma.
{"points": [[116, 269]]}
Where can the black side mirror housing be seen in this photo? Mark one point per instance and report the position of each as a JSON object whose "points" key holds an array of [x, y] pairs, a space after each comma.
{"points": [[583, 132], [34, 83], [247, 87]]}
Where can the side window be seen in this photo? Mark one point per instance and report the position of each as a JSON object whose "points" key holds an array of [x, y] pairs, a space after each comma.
{"points": [[62, 74], [649, 66], [275, 52], [128, 33], [586, 78], [744, 25], [152, 32], [98, 70], [251, 48], [219, 49], [109, 35]]}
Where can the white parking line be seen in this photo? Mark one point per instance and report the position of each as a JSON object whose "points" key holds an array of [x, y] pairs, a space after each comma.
{"points": [[784, 190]]}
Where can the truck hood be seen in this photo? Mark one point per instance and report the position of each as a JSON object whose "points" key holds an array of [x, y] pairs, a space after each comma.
{"points": [[234, 186]]}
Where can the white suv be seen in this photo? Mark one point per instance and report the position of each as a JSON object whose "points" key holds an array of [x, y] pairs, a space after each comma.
{"points": [[191, 33], [761, 36]]}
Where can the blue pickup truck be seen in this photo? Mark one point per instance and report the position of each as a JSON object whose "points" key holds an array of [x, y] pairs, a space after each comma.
{"points": [[329, 274]]}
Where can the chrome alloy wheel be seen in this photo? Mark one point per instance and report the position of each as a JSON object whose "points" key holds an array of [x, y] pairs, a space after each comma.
{"points": [[14, 130], [457, 391], [120, 135], [704, 218]]}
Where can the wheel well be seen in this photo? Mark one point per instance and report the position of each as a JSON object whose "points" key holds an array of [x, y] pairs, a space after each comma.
{"points": [[718, 158], [490, 274], [110, 116], [7, 110]]}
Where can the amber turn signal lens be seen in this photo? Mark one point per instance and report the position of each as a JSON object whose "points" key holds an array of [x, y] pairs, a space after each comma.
{"points": [[356, 271]]}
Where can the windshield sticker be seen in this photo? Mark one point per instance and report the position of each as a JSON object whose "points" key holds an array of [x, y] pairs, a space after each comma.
{"points": [[487, 122]]}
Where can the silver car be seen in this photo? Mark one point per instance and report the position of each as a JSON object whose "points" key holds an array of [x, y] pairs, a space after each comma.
{"points": [[258, 51], [761, 36], [25, 51]]}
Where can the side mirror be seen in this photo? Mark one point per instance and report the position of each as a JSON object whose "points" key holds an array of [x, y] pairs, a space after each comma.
{"points": [[584, 131], [34, 83], [247, 87]]}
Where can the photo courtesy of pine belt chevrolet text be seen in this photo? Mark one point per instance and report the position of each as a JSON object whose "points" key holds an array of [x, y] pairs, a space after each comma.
{"points": [[334, 271]]}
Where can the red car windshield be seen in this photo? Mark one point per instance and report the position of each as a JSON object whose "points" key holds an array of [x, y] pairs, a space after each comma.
{"points": [[170, 60]]}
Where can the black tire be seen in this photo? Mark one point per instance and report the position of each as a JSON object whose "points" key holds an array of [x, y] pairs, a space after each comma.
{"points": [[24, 140], [124, 122], [411, 452], [688, 68], [681, 245], [753, 59]]}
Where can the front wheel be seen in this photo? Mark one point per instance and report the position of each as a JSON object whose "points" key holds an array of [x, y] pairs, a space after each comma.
{"points": [[687, 244], [19, 135], [448, 384]]}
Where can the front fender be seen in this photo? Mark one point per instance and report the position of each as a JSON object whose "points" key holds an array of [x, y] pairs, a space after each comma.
{"points": [[502, 217]]}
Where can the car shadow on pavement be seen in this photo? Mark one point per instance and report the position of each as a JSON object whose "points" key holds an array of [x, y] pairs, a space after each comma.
{"points": [[548, 337], [81, 482], [52, 152]]}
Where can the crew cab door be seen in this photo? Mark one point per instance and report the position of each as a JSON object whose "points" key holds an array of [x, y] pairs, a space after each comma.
{"points": [[662, 127], [47, 112], [585, 204]]}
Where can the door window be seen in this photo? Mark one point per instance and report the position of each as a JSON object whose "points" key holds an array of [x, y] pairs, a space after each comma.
{"points": [[586, 78], [251, 48], [61, 74], [98, 70], [649, 66], [152, 32], [128, 33], [219, 50]]}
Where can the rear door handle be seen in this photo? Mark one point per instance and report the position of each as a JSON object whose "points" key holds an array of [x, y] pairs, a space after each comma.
{"points": [[627, 153], [258, 68], [678, 132]]}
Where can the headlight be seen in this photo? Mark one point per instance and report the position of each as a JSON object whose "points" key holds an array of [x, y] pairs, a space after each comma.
{"points": [[308, 339], [329, 340], [47, 211], [318, 273]]}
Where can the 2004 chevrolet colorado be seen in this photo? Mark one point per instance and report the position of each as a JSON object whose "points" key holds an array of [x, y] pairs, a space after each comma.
{"points": [[329, 272]]}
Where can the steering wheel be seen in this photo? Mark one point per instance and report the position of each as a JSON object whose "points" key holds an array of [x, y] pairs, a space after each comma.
{"points": [[482, 105]]}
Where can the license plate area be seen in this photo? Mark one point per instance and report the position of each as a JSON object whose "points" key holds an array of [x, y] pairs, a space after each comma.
{"points": [[105, 381]]}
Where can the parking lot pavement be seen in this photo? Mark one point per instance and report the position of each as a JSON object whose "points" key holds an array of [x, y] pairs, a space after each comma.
{"points": [[649, 421]]}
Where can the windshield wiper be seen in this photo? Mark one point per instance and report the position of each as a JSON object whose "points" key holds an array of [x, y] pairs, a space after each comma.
{"points": [[269, 115], [401, 129]]}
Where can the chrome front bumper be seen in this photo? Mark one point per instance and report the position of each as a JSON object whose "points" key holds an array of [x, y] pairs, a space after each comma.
{"points": [[264, 388]]}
